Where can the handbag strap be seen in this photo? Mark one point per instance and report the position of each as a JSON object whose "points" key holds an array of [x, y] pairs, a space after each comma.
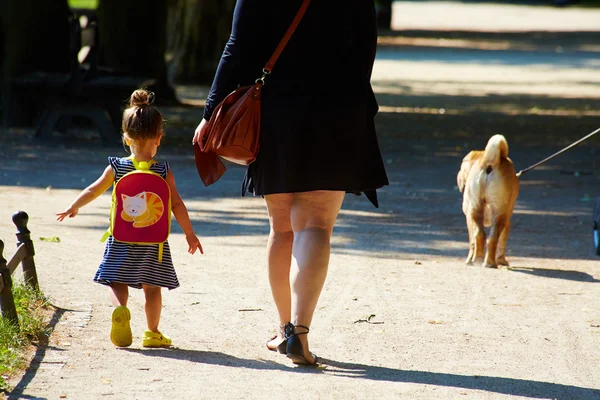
{"points": [[286, 38]]}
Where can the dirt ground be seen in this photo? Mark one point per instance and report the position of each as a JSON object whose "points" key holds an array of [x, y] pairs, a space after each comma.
{"points": [[401, 315]]}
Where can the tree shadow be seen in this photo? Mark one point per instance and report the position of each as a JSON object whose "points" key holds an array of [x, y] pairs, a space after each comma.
{"points": [[528, 39], [509, 57], [523, 108]]}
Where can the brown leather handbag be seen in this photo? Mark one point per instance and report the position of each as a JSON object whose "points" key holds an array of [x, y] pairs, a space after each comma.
{"points": [[233, 131]]}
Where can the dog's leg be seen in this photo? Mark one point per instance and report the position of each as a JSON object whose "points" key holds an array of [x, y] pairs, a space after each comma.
{"points": [[470, 256], [498, 226], [478, 234], [500, 254]]}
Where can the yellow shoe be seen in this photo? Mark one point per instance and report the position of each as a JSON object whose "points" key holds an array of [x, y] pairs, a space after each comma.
{"points": [[120, 332], [152, 339]]}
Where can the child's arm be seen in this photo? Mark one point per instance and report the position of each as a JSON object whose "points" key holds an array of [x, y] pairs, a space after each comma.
{"points": [[181, 214], [89, 194]]}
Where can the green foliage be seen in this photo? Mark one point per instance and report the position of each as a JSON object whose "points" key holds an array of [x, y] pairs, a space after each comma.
{"points": [[589, 3], [30, 306], [91, 4], [10, 343]]}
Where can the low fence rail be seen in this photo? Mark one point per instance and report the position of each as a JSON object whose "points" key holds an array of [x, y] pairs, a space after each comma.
{"points": [[24, 256]]}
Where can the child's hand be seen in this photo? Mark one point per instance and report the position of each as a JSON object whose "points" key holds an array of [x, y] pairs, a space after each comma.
{"points": [[69, 212], [194, 244]]}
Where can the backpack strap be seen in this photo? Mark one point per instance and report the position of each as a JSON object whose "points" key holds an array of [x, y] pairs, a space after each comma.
{"points": [[105, 236], [142, 165], [160, 252]]}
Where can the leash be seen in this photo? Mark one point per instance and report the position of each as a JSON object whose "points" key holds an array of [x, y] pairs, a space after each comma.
{"points": [[521, 172]]}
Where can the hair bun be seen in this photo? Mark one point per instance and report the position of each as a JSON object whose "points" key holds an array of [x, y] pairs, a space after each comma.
{"points": [[141, 97]]}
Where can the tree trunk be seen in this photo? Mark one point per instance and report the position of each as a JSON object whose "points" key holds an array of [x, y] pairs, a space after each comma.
{"points": [[198, 31], [36, 36], [384, 14], [2, 44], [133, 40]]}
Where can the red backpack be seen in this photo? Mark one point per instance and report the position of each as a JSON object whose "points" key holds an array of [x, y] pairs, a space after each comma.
{"points": [[141, 208]]}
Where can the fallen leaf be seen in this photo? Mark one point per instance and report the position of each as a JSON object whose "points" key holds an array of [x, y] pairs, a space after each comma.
{"points": [[53, 239], [368, 320]]}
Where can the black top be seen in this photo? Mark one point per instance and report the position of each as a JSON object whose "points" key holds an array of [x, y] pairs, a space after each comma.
{"points": [[317, 128]]}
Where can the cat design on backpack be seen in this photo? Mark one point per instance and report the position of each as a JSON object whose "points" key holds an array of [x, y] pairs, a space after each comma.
{"points": [[141, 208]]}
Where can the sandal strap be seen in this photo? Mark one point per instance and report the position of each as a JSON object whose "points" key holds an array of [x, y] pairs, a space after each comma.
{"points": [[302, 326], [289, 329]]}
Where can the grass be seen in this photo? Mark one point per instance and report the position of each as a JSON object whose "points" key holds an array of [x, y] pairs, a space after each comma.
{"points": [[91, 4], [31, 306]]}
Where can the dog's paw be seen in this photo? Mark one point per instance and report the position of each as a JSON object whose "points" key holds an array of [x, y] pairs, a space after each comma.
{"points": [[502, 261], [490, 265]]}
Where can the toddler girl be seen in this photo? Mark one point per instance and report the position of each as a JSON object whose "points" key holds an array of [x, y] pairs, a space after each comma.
{"points": [[138, 266]]}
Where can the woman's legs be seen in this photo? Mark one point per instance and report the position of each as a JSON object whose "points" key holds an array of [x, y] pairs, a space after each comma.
{"points": [[311, 218], [153, 306], [279, 257]]}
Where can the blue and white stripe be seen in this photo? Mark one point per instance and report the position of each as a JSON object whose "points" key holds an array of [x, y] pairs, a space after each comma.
{"points": [[135, 264]]}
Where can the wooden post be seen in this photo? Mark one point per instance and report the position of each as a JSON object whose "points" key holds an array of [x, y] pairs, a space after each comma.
{"points": [[7, 302], [20, 219]]}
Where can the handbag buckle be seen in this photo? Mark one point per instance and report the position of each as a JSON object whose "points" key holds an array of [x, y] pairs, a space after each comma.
{"points": [[261, 80]]}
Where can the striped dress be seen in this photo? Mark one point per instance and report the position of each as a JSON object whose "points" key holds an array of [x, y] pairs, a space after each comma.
{"points": [[135, 264]]}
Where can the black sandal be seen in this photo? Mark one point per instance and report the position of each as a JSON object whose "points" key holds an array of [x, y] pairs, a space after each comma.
{"points": [[294, 349], [281, 347]]}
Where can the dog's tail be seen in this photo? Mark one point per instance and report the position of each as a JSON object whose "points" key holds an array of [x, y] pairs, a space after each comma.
{"points": [[496, 149]]}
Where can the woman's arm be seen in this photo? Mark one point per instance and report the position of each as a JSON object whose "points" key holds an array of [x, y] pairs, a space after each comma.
{"points": [[236, 63], [89, 194]]}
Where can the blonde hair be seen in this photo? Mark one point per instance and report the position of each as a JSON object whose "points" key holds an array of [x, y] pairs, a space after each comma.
{"points": [[141, 120]]}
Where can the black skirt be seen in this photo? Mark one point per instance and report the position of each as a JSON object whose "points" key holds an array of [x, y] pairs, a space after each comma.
{"points": [[311, 142]]}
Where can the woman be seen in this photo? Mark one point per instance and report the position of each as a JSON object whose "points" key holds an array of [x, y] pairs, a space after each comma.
{"points": [[318, 139]]}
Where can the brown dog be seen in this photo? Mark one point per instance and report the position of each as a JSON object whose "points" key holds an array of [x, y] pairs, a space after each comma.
{"points": [[490, 187]]}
